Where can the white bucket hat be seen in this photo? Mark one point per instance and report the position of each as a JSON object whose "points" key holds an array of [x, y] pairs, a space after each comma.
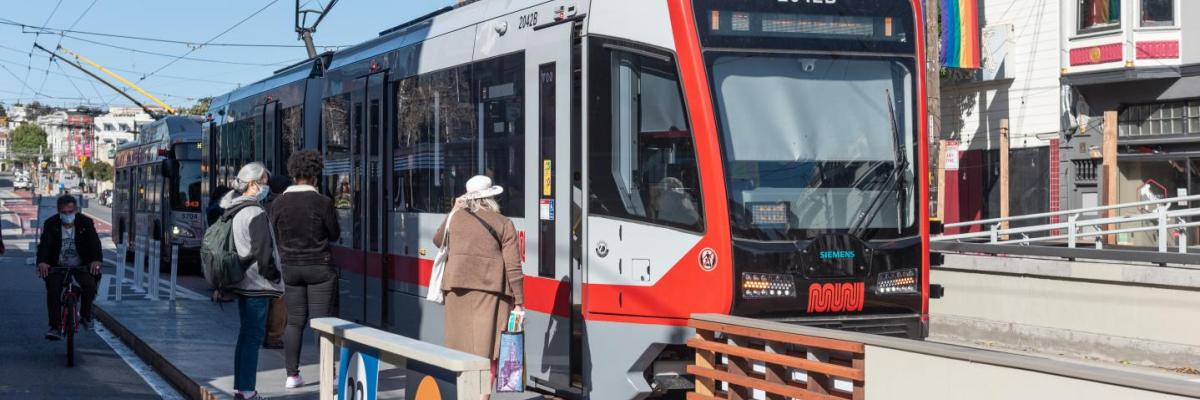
{"points": [[480, 187]]}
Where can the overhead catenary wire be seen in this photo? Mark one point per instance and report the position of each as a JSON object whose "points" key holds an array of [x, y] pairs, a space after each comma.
{"points": [[130, 71], [176, 57], [214, 38], [69, 79], [17, 64], [73, 24], [25, 85], [57, 31]]}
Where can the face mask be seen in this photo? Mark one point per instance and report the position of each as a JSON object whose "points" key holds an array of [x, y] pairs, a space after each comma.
{"points": [[262, 194], [67, 218]]}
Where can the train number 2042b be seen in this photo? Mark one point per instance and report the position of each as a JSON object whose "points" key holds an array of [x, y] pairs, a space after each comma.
{"points": [[528, 20]]}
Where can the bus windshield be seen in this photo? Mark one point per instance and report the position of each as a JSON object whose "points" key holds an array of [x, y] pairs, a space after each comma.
{"points": [[815, 143], [187, 197]]}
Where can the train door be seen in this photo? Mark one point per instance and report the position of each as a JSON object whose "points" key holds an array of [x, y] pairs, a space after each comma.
{"points": [[350, 201], [548, 67], [643, 181], [376, 207], [376, 197]]}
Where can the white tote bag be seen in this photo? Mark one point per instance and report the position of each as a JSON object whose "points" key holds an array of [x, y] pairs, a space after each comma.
{"points": [[439, 267]]}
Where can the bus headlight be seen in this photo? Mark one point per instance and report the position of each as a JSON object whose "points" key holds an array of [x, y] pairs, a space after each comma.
{"points": [[180, 232], [762, 286], [898, 282]]}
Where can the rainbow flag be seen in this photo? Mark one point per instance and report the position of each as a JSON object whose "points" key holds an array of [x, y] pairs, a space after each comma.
{"points": [[960, 34]]}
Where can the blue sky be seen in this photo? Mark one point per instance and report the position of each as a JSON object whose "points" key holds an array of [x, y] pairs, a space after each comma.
{"points": [[180, 83]]}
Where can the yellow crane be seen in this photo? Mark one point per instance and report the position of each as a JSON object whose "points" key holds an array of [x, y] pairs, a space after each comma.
{"points": [[114, 75]]}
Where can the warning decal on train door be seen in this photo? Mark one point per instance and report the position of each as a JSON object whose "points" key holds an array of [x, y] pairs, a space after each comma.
{"points": [[708, 259]]}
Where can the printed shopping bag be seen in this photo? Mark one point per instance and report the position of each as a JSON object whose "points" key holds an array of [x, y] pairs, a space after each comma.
{"points": [[510, 376]]}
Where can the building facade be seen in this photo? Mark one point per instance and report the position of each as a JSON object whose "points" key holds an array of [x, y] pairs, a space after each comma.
{"points": [[117, 127], [69, 136], [1018, 89], [1138, 63]]}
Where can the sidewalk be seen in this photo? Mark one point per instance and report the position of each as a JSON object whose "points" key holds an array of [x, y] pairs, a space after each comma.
{"points": [[190, 341]]}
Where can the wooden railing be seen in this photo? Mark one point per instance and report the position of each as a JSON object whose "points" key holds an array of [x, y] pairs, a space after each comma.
{"points": [[733, 362]]}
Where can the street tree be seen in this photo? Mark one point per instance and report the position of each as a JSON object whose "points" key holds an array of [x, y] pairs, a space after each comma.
{"points": [[97, 170], [27, 141], [36, 109], [200, 108]]}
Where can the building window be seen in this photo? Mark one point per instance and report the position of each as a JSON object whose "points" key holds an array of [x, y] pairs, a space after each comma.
{"points": [[1158, 13], [1099, 15], [1176, 118]]}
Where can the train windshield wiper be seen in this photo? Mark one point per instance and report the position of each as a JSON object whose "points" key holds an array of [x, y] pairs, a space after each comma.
{"points": [[895, 182]]}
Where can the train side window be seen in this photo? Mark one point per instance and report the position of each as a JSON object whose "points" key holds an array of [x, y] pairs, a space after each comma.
{"points": [[335, 126], [292, 124], [642, 160], [436, 144], [139, 177], [502, 91]]}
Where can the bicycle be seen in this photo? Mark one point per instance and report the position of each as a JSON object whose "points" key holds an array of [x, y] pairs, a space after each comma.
{"points": [[69, 306]]}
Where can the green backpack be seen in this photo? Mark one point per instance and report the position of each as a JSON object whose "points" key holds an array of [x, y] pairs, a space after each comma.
{"points": [[219, 259]]}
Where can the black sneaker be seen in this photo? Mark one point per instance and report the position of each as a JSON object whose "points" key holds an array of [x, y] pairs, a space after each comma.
{"points": [[53, 335], [87, 323]]}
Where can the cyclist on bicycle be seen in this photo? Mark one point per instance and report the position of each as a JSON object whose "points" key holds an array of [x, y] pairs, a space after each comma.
{"points": [[68, 240]]}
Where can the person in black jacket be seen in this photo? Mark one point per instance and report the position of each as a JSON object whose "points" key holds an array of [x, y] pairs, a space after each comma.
{"points": [[305, 223], [68, 240]]}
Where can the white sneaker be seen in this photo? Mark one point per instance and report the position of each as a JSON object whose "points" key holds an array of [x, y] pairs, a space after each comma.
{"points": [[294, 382]]}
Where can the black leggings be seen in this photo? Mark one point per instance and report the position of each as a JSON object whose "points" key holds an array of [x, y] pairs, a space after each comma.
{"points": [[87, 282], [311, 292]]}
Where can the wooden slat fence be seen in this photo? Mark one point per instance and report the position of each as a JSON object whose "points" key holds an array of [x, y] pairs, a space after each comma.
{"points": [[733, 362]]}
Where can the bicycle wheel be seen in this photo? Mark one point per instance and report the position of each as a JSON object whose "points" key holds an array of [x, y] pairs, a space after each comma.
{"points": [[69, 327]]}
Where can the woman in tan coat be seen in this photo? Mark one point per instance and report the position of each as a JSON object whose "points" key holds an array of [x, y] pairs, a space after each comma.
{"points": [[483, 279]]}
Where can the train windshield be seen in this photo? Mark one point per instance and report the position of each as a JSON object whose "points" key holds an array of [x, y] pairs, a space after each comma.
{"points": [[187, 197], [814, 143], [815, 104]]}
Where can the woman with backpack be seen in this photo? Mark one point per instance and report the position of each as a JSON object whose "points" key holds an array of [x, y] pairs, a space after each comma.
{"points": [[305, 224], [252, 238], [483, 279]]}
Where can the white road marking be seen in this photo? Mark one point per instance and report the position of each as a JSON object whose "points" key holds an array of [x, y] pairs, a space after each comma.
{"points": [[152, 379]]}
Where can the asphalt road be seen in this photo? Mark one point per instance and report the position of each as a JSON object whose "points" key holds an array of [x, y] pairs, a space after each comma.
{"points": [[34, 368], [96, 210]]}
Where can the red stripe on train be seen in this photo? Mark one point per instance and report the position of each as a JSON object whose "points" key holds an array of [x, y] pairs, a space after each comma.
{"points": [[541, 294]]}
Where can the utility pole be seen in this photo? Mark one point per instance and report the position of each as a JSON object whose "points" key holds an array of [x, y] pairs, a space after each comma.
{"points": [[305, 30], [933, 102]]}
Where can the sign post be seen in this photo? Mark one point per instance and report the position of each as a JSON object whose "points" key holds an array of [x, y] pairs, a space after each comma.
{"points": [[120, 269], [174, 269]]}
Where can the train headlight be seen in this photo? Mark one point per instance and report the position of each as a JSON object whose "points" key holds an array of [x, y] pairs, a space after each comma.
{"points": [[764, 286], [181, 232], [898, 282]]}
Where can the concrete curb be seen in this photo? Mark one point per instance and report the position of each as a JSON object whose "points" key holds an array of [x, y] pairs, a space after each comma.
{"points": [[180, 381]]}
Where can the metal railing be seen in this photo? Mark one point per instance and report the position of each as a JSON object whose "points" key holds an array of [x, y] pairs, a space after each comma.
{"points": [[1158, 213]]}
